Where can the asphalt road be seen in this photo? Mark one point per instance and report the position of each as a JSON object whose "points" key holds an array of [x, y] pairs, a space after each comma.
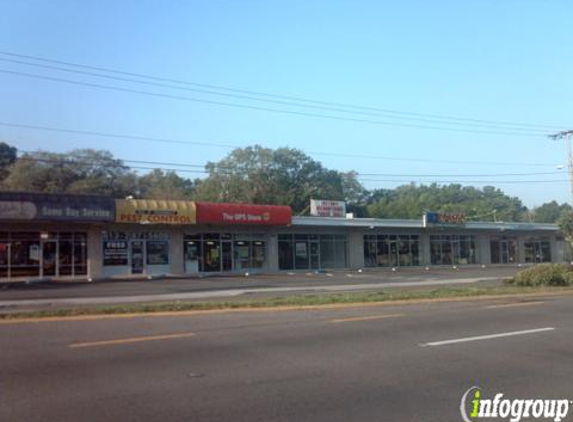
{"points": [[372, 363]]}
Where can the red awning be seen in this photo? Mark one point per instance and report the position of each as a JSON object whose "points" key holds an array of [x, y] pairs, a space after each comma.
{"points": [[257, 215]]}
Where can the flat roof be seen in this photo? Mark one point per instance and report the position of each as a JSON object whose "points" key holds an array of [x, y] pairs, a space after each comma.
{"points": [[374, 223]]}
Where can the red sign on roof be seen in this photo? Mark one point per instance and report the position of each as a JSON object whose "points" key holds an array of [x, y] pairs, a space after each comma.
{"points": [[267, 215]]}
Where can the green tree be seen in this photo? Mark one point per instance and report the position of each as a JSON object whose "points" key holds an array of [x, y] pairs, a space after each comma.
{"points": [[565, 224], [84, 171], [8, 156], [159, 184], [410, 201], [550, 212], [284, 176]]}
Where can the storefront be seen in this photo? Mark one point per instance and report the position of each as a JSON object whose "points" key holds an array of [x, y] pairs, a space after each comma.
{"points": [[392, 250], [136, 252], [452, 249], [141, 241], [303, 251], [43, 254], [225, 252], [44, 236], [232, 237], [537, 249], [503, 249], [52, 236]]}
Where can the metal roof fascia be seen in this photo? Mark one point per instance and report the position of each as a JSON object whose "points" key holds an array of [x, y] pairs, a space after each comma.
{"points": [[396, 223]]}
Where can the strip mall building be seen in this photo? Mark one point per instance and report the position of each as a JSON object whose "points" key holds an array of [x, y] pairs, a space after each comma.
{"points": [[57, 236]]}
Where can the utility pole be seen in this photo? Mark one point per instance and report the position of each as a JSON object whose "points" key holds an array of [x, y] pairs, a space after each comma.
{"points": [[566, 134]]}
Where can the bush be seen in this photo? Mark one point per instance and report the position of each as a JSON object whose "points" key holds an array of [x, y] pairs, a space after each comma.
{"points": [[544, 275]]}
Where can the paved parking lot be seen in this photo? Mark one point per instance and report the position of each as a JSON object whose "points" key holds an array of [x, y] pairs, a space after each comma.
{"points": [[169, 286]]}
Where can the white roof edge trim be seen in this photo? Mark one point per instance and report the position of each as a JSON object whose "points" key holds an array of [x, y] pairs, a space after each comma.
{"points": [[408, 223]]}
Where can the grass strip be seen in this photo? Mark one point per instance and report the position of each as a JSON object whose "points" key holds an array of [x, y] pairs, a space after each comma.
{"points": [[298, 300]]}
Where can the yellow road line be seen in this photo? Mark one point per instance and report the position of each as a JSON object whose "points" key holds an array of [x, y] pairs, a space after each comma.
{"points": [[514, 305], [365, 318], [130, 340]]}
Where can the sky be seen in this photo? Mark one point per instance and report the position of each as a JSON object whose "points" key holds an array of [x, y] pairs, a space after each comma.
{"points": [[406, 88]]}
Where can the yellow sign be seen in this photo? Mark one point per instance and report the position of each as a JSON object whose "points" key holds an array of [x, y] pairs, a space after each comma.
{"points": [[152, 211]]}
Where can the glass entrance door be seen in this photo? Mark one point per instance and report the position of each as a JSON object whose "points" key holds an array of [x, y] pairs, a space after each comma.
{"points": [[314, 254], [394, 262], [4, 260], [191, 257], [49, 258], [137, 257], [211, 256], [538, 252], [227, 256], [242, 254], [504, 252]]}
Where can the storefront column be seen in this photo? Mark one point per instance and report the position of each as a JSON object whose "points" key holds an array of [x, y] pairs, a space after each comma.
{"points": [[520, 249], [272, 253], [95, 254], [176, 252], [425, 250], [556, 250], [483, 253], [355, 250]]}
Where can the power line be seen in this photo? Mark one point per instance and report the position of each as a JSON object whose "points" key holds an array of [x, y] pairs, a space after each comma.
{"points": [[280, 102], [179, 165], [259, 108], [467, 181], [74, 162], [285, 97], [225, 145]]}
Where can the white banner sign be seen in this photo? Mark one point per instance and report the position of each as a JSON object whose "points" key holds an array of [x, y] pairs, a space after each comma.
{"points": [[326, 208]]}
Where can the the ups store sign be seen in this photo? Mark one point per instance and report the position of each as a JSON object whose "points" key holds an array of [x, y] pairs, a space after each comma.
{"points": [[56, 207]]}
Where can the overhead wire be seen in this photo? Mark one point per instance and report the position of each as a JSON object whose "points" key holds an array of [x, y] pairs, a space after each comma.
{"points": [[186, 170], [227, 145], [267, 109], [279, 102], [270, 95], [179, 165]]}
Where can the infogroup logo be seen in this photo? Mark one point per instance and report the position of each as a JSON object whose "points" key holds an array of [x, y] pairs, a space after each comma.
{"points": [[513, 410]]}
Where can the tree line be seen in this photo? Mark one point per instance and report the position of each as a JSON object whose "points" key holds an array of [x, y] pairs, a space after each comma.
{"points": [[259, 175]]}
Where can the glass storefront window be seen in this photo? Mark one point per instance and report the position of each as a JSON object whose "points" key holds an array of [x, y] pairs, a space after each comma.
{"points": [[404, 252], [452, 249], [212, 252], [35, 254], [312, 251], [537, 250], [503, 250], [384, 250], [80, 256], [157, 252], [25, 258], [115, 252], [66, 255], [286, 254], [327, 255]]}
